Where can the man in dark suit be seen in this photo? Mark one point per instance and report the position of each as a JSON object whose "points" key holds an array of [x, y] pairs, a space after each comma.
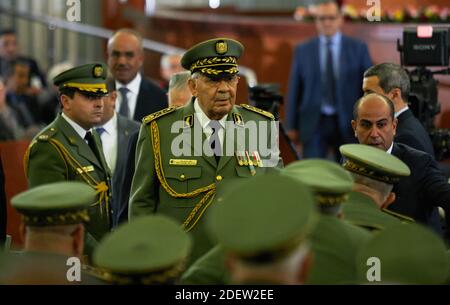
{"points": [[115, 131], [138, 96], [392, 81], [418, 195], [324, 84]]}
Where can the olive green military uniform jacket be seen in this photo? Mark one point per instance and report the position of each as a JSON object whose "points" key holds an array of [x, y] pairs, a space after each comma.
{"points": [[183, 187], [362, 211], [335, 244], [209, 269], [58, 153]]}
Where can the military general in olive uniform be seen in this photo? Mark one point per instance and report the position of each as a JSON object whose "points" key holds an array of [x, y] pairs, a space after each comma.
{"points": [[184, 155], [67, 150]]}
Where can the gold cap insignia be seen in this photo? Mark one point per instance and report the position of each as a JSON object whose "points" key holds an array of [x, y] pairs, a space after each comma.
{"points": [[221, 47], [98, 71]]}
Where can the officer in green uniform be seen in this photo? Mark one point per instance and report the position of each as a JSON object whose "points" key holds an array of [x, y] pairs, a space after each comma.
{"points": [[67, 150], [375, 173], [185, 154], [54, 215], [264, 232], [403, 254], [334, 241], [150, 250]]}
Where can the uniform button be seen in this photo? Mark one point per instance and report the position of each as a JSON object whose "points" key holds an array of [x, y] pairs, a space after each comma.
{"points": [[182, 177], [219, 178]]}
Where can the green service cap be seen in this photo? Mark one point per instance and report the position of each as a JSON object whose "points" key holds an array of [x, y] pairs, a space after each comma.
{"points": [[149, 250], [360, 210], [328, 180], [261, 220], [214, 57], [89, 79], [403, 254], [59, 203], [373, 163]]}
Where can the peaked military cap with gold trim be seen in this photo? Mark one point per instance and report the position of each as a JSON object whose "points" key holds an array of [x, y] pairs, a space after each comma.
{"points": [[265, 222], [215, 57], [329, 181], [149, 250], [59, 203], [373, 163], [89, 79]]}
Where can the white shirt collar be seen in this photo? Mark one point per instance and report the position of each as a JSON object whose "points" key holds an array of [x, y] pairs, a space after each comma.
{"points": [[203, 118], [401, 111], [78, 129], [133, 86], [389, 151], [110, 126]]}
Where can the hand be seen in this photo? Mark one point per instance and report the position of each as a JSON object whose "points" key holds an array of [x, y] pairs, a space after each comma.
{"points": [[293, 135]]}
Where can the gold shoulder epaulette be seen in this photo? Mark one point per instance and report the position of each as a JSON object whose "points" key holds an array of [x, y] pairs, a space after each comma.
{"points": [[158, 114], [257, 110], [46, 134], [398, 215]]}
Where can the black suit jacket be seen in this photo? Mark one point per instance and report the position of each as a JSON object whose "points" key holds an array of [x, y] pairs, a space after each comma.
{"points": [[412, 133], [125, 129], [151, 98], [125, 184], [2, 206], [419, 195]]}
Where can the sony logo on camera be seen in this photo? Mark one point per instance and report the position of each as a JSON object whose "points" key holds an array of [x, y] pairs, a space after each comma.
{"points": [[424, 47]]}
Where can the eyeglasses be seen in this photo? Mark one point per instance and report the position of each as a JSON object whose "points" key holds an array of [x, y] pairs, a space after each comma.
{"points": [[215, 82], [325, 18]]}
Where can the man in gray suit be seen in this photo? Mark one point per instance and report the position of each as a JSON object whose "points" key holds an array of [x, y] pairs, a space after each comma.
{"points": [[115, 131]]}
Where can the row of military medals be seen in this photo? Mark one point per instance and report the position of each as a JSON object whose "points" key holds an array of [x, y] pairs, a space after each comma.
{"points": [[244, 158]]}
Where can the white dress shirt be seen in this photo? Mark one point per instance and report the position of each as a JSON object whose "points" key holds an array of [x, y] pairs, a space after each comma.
{"points": [[401, 111], [133, 91], [109, 142], [204, 123], [389, 151]]}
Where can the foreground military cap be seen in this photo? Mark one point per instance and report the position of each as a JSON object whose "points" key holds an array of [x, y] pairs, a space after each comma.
{"points": [[60, 203], [264, 221], [148, 250], [213, 57], [89, 79], [328, 180], [407, 254], [373, 163]]}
